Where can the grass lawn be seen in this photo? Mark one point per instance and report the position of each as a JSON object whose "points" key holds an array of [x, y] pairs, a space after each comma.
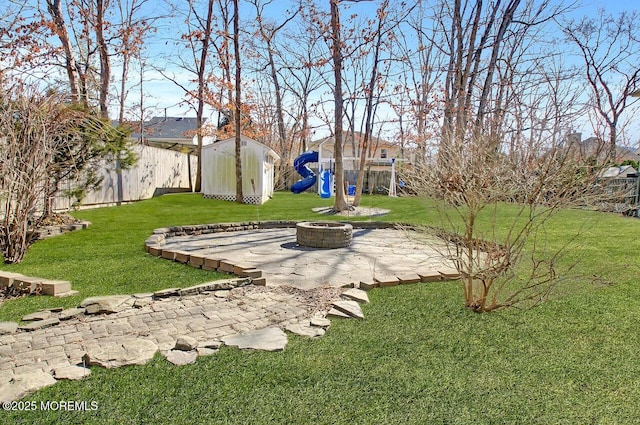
{"points": [[418, 357]]}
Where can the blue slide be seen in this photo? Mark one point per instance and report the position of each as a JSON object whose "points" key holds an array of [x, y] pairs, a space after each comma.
{"points": [[308, 176]]}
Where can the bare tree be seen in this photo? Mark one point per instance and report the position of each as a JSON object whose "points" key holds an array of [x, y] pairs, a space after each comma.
{"points": [[132, 30], [26, 151], [302, 74], [478, 40], [609, 47], [196, 41], [75, 73], [371, 94], [506, 113], [267, 32], [420, 68]]}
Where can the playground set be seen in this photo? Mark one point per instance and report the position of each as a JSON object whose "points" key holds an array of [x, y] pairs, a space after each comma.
{"points": [[326, 172]]}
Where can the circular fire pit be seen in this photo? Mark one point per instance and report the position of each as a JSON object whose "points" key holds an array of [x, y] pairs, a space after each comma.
{"points": [[324, 235]]}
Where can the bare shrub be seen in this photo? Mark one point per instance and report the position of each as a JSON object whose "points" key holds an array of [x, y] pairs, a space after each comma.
{"points": [[43, 140], [495, 202]]}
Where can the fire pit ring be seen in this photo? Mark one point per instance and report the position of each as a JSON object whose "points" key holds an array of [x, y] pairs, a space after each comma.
{"points": [[324, 235]]}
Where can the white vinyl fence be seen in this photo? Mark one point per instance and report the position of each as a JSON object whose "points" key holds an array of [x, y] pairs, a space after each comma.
{"points": [[157, 171]]}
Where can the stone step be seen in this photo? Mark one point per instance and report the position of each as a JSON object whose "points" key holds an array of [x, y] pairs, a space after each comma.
{"points": [[181, 257], [368, 285], [40, 324], [156, 251], [384, 281], [240, 268], [354, 294], [196, 260], [226, 266], [211, 263], [7, 278], [429, 275], [350, 308], [55, 287], [252, 273], [410, 277]]}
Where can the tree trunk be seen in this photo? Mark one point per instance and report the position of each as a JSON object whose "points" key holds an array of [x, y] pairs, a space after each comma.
{"points": [[238, 102], [369, 106], [55, 11], [341, 201], [202, 77], [105, 63], [282, 135]]}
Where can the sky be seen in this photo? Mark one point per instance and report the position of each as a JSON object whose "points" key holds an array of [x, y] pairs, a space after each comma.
{"points": [[168, 99]]}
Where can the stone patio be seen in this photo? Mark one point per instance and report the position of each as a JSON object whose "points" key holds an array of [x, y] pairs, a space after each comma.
{"points": [[376, 257], [302, 288]]}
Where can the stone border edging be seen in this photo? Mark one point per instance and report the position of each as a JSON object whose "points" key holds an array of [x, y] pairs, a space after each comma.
{"points": [[108, 304], [46, 232], [154, 246], [35, 285]]}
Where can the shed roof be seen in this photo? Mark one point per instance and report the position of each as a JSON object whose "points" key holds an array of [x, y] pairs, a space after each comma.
{"points": [[248, 140], [618, 171]]}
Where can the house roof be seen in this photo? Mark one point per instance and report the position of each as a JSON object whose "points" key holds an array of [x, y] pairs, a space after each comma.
{"points": [[594, 146], [174, 133], [177, 128], [359, 137]]}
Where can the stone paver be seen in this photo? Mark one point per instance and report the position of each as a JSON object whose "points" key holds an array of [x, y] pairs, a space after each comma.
{"points": [[268, 339], [181, 358], [183, 323], [350, 308], [355, 294], [134, 335], [71, 372], [374, 255]]}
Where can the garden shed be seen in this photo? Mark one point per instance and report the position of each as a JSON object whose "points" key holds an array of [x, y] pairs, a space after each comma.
{"points": [[219, 170]]}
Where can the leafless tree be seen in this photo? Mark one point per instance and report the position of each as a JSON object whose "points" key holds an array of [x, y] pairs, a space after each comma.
{"points": [[504, 262], [197, 43], [506, 112], [76, 73], [609, 47], [479, 39], [419, 66], [267, 32], [302, 74], [133, 28]]}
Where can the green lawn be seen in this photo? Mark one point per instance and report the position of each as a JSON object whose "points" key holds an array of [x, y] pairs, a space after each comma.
{"points": [[418, 357]]}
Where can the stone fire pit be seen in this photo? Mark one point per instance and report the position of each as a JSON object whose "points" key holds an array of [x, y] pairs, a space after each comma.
{"points": [[325, 235]]}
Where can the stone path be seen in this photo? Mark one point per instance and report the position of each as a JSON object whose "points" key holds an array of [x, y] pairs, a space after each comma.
{"points": [[133, 335], [304, 288]]}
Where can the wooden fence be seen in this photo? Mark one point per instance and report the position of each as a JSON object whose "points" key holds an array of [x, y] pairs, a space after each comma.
{"points": [[625, 190], [157, 171]]}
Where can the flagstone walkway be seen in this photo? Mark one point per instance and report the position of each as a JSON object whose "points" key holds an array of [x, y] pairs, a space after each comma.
{"points": [[303, 287]]}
